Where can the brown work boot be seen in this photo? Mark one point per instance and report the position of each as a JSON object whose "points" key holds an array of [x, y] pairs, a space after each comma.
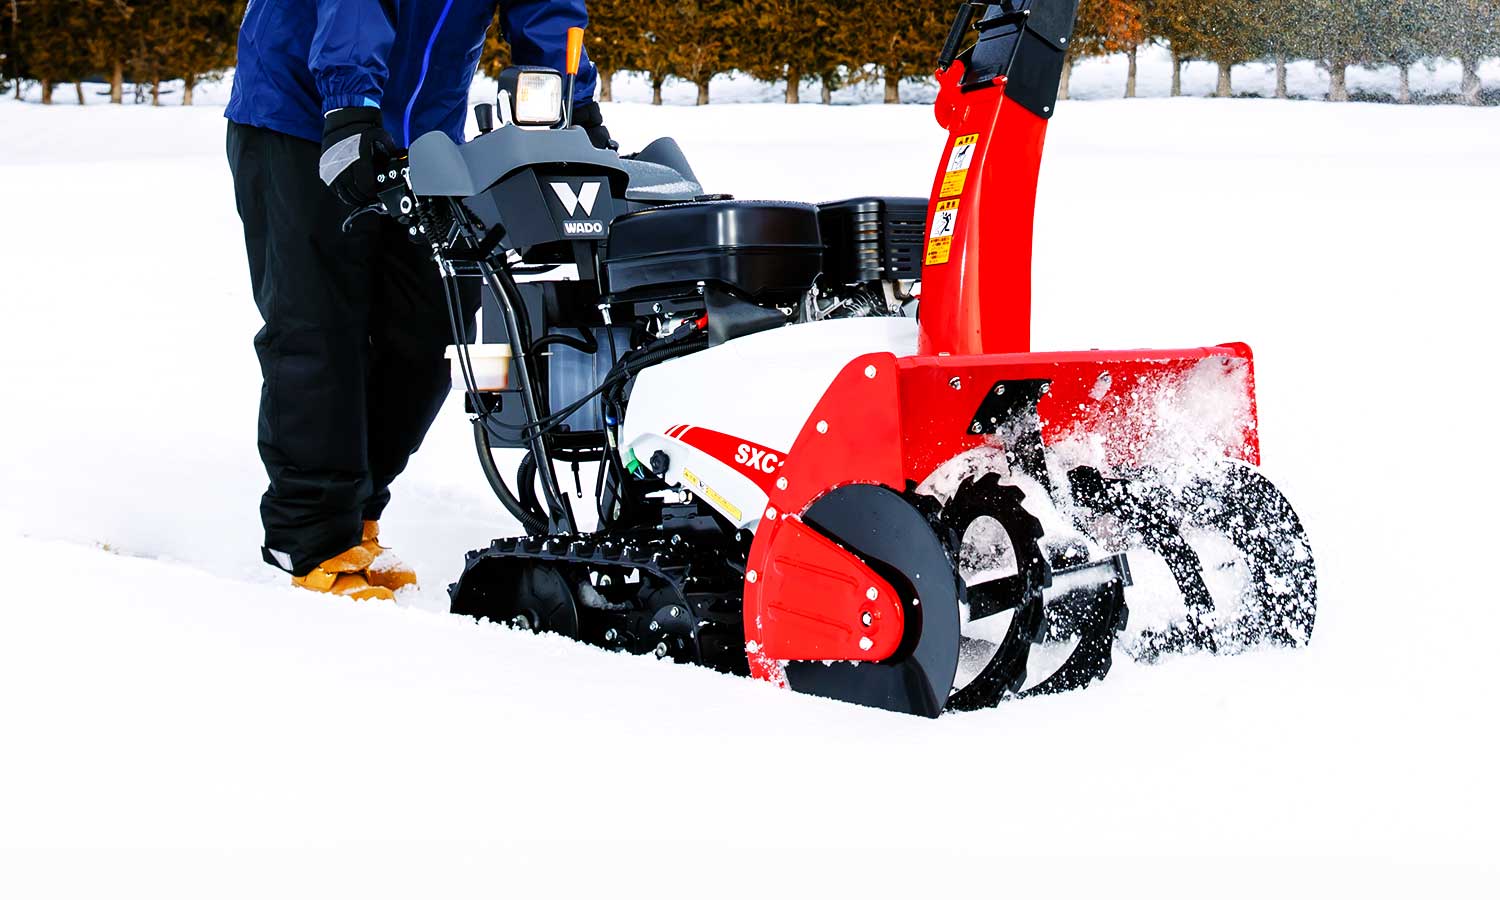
{"points": [[387, 570], [346, 576]]}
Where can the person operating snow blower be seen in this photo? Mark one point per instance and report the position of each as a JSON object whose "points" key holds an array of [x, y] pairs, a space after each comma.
{"points": [[326, 95]]}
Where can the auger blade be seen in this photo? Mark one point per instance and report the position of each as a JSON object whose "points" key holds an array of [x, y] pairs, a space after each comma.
{"points": [[1086, 602], [1228, 549], [1083, 604]]}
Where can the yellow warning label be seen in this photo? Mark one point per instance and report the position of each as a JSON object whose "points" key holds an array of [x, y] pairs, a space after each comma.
{"points": [[960, 158], [713, 496], [940, 241]]}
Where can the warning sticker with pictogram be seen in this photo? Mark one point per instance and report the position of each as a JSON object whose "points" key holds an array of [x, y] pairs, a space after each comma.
{"points": [[960, 158], [940, 241]]}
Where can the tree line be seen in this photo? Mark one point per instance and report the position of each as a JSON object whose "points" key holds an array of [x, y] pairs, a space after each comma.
{"points": [[1337, 34], [831, 43], [118, 42]]}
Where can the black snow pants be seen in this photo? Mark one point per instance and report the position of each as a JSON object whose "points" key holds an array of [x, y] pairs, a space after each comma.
{"points": [[351, 353]]}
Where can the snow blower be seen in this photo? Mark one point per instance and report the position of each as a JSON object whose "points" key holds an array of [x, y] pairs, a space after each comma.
{"points": [[826, 457]]}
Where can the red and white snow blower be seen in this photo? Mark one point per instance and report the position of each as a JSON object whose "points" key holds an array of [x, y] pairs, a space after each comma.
{"points": [[826, 455]]}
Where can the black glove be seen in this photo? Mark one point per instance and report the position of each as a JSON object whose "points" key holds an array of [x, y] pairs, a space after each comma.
{"points": [[355, 150], [590, 118]]}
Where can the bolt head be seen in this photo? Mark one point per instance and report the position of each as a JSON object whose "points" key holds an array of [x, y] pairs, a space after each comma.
{"points": [[866, 619], [822, 427], [865, 643], [781, 484], [999, 390], [872, 594], [380, 179], [611, 635], [770, 512], [674, 612], [869, 371], [655, 626], [752, 576], [955, 382], [976, 428], [661, 651]]}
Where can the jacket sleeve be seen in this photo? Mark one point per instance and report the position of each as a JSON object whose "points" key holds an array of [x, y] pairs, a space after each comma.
{"points": [[537, 31], [350, 49]]}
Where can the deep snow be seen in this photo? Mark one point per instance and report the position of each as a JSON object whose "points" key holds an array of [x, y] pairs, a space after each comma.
{"points": [[179, 722]]}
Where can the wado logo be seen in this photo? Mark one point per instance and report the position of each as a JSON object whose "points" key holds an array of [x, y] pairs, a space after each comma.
{"points": [[755, 458], [584, 199]]}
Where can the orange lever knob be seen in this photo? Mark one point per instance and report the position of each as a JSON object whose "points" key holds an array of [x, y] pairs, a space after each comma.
{"points": [[575, 50]]}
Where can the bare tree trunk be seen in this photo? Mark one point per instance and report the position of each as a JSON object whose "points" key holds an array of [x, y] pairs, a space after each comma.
{"points": [[827, 93], [1281, 91], [155, 92], [1130, 73], [793, 84], [1403, 94], [656, 82], [1471, 85], [1338, 82], [79, 86], [117, 84], [1176, 74], [188, 82], [606, 85], [1067, 76], [1226, 80], [46, 92], [892, 88], [703, 91]]}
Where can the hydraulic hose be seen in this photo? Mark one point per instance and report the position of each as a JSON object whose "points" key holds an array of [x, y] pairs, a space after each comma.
{"points": [[533, 523]]}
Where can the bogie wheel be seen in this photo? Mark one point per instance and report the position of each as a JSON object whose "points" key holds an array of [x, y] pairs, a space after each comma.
{"points": [[519, 594]]}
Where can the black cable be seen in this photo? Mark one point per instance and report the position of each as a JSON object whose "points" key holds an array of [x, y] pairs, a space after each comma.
{"points": [[678, 344], [587, 344], [526, 484]]}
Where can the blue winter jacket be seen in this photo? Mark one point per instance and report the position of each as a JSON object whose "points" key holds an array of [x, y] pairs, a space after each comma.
{"points": [[414, 59]]}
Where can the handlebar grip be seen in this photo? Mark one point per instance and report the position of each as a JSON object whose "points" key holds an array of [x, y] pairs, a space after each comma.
{"points": [[961, 25]]}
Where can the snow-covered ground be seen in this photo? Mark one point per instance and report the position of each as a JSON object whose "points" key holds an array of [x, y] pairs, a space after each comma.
{"points": [[176, 721]]}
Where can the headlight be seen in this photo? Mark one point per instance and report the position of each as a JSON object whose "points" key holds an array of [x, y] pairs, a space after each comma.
{"points": [[536, 93]]}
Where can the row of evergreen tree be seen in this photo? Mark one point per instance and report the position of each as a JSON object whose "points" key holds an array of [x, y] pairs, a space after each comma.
{"points": [[831, 42], [137, 42], [1336, 33]]}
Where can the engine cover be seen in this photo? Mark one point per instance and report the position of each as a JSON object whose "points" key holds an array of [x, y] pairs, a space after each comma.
{"points": [[769, 252]]}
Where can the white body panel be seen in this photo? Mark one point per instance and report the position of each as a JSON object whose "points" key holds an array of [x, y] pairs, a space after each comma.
{"points": [[760, 388]]}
